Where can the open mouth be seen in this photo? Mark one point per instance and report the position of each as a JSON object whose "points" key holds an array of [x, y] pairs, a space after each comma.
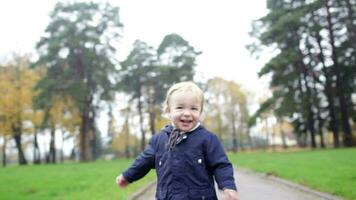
{"points": [[186, 122]]}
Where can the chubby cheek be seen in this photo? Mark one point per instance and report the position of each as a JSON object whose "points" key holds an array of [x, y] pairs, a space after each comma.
{"points": [[174, 117]]}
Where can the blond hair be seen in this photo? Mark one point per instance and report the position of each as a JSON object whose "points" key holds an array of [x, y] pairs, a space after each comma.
{"points": [[183, 87]]}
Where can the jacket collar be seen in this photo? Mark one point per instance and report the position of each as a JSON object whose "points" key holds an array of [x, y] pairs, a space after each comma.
{"points": [[169, 128]]}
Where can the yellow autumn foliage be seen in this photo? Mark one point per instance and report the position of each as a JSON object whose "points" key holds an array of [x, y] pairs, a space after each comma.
{"points": [[124, 139], [17, 81], [64, 114]]}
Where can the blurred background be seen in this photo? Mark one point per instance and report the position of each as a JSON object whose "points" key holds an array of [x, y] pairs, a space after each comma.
{"points": [[84, 80]]}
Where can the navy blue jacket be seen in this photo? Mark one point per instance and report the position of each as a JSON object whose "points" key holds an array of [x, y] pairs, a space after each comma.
{"points": [[189, 169]]}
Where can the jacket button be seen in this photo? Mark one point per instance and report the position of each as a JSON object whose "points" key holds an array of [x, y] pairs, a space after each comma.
{"points": [[160, 163], [200, 160]]}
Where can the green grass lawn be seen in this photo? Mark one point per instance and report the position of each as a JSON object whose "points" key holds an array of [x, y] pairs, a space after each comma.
{"points": [[332, 171], [67, 181]]}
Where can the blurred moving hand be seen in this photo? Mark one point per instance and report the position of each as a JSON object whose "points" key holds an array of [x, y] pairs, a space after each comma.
{"points": [[121, 181], [230, 194]]}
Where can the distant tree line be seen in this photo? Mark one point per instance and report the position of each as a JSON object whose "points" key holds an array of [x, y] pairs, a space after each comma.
{"points": [[77, 75], [313, 70]]}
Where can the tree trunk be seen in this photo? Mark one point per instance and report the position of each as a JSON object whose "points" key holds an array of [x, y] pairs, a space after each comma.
{"points": [[143, 134], [267, 133], [62, 152], [284, 142], [283, 134], [21, 156], [4, 152], [300, 88], [234, 133], [309, 96], [152, 121], [347, 136], [152, 113], [52, 148], [93, 143], [241, 132], [36, 150], [127, 137], [47, 158], [273, 137], [332, 113], [320, 128], [85, 150], [250, 140], [352, 34], [328, 90], [93, 136], [320, 119], [311, 127], [86, 153]]}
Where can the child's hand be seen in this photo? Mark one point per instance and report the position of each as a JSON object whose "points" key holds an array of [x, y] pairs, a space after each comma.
{"points": [[121, 181], [230, 194]]}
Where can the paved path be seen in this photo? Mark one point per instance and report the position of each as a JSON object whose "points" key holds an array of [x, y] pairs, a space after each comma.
{"points": [[256, 186]]}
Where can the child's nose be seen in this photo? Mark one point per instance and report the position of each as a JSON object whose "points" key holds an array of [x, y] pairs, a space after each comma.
{"points": [[186, 112]]}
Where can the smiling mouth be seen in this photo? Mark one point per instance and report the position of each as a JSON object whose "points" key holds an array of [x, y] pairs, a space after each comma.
{"points": [[186, 121]]}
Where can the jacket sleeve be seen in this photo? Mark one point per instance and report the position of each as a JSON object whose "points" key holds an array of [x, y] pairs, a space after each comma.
{"points": [[219, 164], [143, 163]]}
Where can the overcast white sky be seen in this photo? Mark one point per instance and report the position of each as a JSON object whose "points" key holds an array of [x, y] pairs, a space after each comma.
{"points": [[218, 28]]}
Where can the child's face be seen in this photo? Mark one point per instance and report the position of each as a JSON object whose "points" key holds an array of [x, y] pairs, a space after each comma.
{"points": [[184, 110]]}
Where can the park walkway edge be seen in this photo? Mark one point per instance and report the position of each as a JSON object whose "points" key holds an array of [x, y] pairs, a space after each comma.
{"points": [[250, 173], [323, 195], [142, 190]]}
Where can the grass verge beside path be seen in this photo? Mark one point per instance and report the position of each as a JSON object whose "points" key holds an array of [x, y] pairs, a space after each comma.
{"points": [[332, 171], [67, 181]]}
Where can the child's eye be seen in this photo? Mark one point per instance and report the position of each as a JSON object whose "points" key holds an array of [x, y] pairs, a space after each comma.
{"points": [[179, 107], [194, 108]]}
